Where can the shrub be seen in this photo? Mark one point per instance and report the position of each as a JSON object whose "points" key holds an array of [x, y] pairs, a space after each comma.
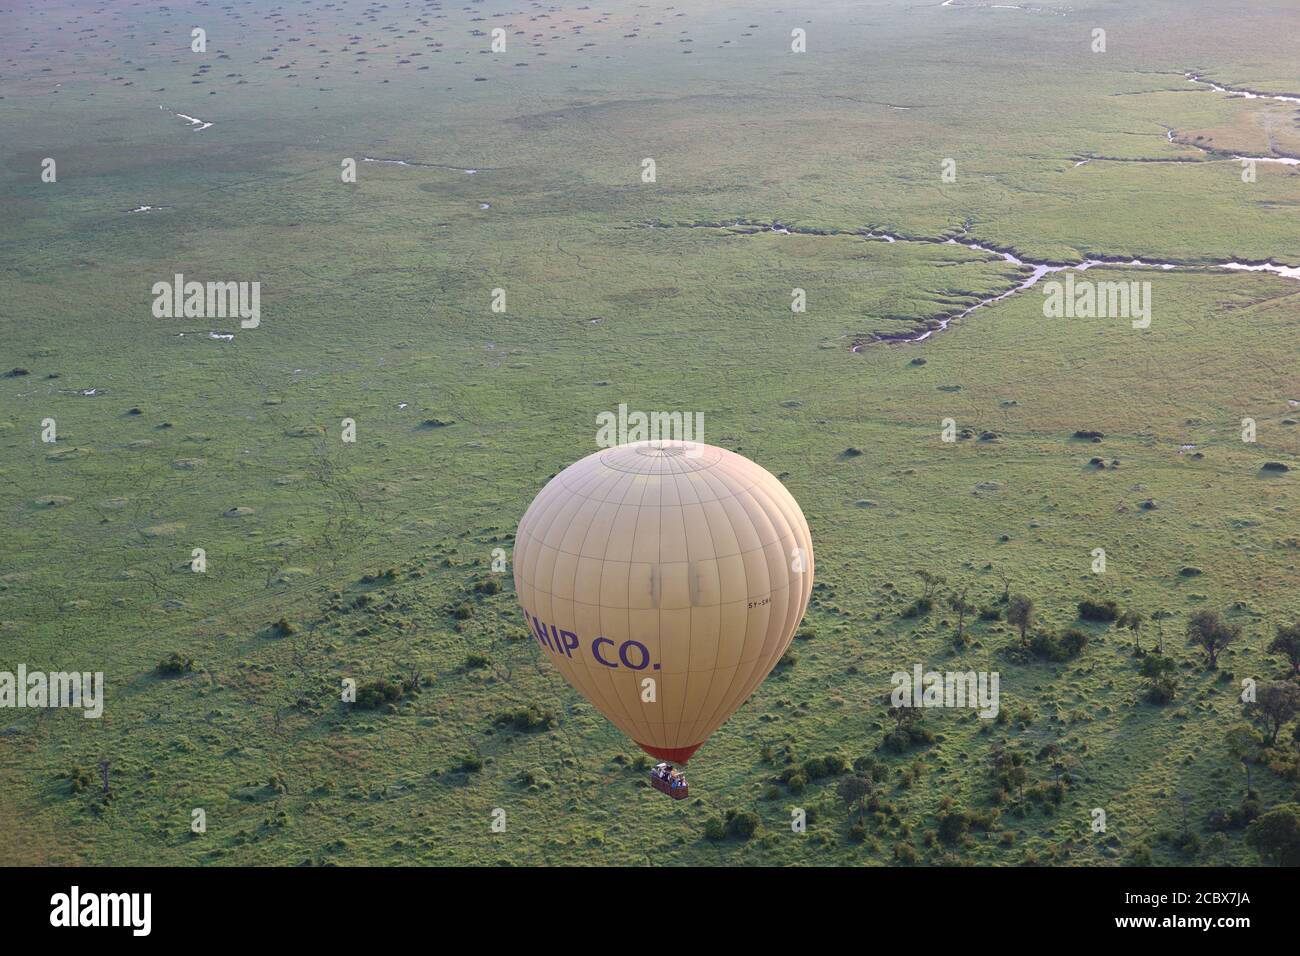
{"points": [[1050, 647], [903, 739], [1237, 818], [743, 824], [829, 766], [175, 665], [488, 586], [715, 829], [920, 607], [1104, 611], [463, 611], [377, 693], [529, 717], [953, 826], [1276, 834], [475, 660], [81, 779], [1073, 641], [1287, 643], [905, 853], [471, 763], [282, 628], [1161, 683]]}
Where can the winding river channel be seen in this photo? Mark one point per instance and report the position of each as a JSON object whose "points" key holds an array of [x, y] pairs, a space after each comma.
{"points": [[1038, 268]]}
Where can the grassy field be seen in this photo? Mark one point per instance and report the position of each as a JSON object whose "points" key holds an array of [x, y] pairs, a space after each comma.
{"points": [[376, 307]]}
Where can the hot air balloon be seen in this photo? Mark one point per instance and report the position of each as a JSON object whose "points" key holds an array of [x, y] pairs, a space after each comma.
{"points": [[664, 580]]}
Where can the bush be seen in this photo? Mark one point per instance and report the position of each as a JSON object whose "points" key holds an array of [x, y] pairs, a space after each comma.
{"points": [[902, 740], [831, 765], [488, 586], [743, 824], [1159, 671], [463, 611], [715, 829], [919, 608], [953, 826], [1162, 690], [175, 665], [1236, 819], [471, 763], [377, 693], [1050, 647], [905, 853], [282, 628], [1105, 611], [81, 779], [1189, 844], [530, 717], [1276, 834], [475, 660], [1073, 641]]}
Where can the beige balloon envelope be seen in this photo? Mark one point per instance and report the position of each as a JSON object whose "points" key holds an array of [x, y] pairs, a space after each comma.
{"points": [[665, 580]]}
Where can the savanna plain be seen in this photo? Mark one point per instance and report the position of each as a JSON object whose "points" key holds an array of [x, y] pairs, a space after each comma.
{"points": [[385, 560]]}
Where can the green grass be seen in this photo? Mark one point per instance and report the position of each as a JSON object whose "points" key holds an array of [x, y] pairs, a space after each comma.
{"points": [[377, 293]]}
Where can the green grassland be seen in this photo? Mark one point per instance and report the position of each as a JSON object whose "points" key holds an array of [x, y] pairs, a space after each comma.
{"points": [[376, 294]]}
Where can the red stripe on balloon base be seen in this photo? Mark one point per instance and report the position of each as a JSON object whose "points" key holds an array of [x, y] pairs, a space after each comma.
{"points": [[671, 754]]}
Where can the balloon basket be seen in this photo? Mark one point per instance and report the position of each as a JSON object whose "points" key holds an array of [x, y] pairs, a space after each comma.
{"points": [[679, 792]]}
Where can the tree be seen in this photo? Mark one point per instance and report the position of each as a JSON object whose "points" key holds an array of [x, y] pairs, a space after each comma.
{"points": [[1160, 617], [1275, 703], [1211, 633], [1243, 745], [1010, 770], [904, 715], [1133, 621], [929, 582], [855, 791], [1287, 642], [1162, 682], [963, 607], [1276, 835], [1020, 612]]}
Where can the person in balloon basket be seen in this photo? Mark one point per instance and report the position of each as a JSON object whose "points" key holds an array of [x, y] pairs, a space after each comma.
{"points": [[673, 777]]}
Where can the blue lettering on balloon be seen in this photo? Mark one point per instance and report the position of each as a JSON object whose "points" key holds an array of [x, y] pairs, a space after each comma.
{"points": [[645, 655], [595, 650]]}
